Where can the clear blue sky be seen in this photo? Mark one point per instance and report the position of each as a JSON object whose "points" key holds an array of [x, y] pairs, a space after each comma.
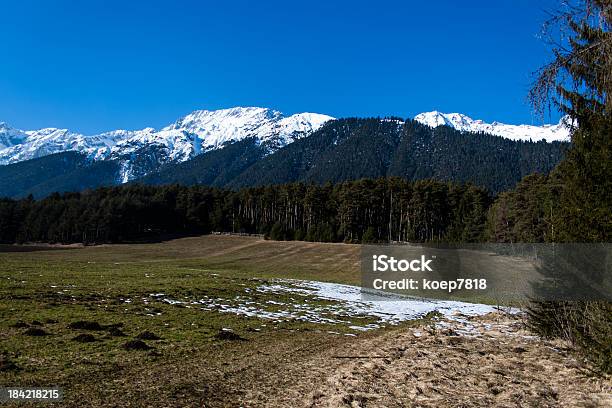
{"points": [[100, 65]]}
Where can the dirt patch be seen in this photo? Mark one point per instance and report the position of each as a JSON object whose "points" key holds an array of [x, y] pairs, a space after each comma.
{"points": [[229, 335], [492, 366], [6, 364], [497, 363], [116, 332], [84, 338], [35, 332], [136, 345], [85, 325], [147, 335], [20, 325]]}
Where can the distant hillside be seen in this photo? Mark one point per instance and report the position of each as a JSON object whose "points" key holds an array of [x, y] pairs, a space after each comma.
{"points": [[216, 168], [355, 148], [344, 149], [69, 171]]}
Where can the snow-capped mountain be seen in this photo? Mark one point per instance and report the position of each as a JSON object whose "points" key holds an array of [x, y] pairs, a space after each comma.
{"points": [[140, 152], [10, 137], [550, 133], [218, 127], [197, 132], [17, 145]]}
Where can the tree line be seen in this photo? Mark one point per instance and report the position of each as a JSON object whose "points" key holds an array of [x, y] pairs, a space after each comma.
{"points": [[367, 210]]}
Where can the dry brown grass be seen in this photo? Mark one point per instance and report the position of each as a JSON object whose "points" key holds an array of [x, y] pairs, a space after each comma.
{"points": [[284, 364]]}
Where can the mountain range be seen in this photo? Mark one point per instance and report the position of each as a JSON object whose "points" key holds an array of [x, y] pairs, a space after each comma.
{"points": [[251, 146], [193, 134]]}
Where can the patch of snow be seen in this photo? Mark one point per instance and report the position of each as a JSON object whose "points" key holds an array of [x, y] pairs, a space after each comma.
{"points": [[347, 305], [386, 307]]}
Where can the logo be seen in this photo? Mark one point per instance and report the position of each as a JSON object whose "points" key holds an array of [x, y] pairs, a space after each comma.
{"points": [[384, 263]]}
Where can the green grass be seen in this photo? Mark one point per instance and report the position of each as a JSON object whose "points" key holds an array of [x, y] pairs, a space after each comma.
{"points": [[112, 285]]}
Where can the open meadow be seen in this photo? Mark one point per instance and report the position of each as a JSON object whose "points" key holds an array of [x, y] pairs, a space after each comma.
{"points": [[227, 321]]}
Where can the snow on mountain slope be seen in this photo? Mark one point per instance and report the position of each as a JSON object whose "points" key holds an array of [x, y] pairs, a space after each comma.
{"points": [[218, 127], [10, 137], [550, 133], [194, 133], [140, 152], [37, 143]]}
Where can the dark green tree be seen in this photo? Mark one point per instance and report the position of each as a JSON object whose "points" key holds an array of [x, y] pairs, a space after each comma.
{"points": [[579, 81]]}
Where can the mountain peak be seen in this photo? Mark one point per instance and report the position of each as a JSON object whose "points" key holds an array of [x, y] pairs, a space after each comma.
{"points": [[196, 132], [10, 137], [216, 127], [461, 122]]}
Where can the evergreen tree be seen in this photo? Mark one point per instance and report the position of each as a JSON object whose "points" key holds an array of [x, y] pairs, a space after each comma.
{"points": [[579, 81]]}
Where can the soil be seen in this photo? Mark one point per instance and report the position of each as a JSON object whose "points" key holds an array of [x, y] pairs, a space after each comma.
{"points": [[147, 335], [35, 331], [228, 335], [489, 361], [116, 332], [84, 338], [85, 325], [6, 364], [501, 365], [136, 345]]}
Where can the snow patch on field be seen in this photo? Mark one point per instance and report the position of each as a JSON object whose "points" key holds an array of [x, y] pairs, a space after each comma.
{"points": [[387, 308], [330, 303]]}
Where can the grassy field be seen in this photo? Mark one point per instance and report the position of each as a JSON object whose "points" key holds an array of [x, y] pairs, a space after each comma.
{"points": [[47, 294], [145, 326]]}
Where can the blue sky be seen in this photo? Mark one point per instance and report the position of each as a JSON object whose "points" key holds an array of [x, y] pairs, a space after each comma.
{"points": [[100, 65]]}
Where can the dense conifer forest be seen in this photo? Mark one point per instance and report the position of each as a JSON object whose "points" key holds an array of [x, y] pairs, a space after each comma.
{"points": [[355, 148], [382, 210]]}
